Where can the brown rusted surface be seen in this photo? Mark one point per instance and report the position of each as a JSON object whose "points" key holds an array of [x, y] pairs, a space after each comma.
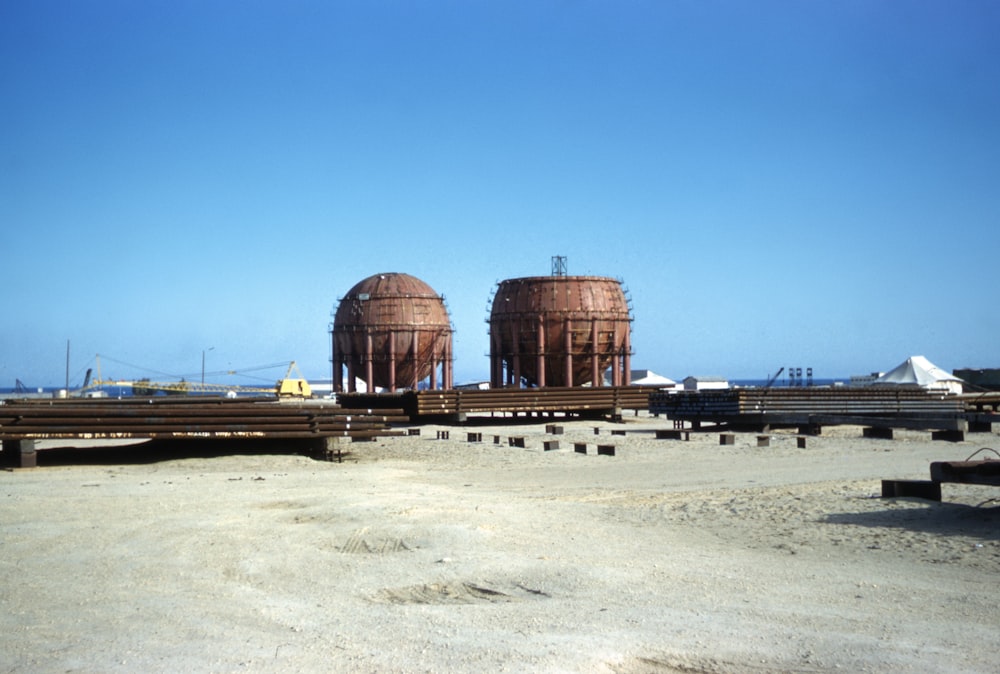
{"points": [[559, 331], [969, 472], [584, 401], [189, 418], [392, 331]]}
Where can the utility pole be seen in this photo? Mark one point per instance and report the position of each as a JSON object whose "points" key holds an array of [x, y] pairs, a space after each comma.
{"points": [[203, 363]]}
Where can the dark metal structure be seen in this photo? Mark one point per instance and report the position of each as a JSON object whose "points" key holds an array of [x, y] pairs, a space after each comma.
{"points": [[393, 331], [559, 331]]}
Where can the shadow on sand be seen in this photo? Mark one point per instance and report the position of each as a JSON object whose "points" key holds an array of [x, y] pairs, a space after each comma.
{"points": [[939, 518], [156, 451]]}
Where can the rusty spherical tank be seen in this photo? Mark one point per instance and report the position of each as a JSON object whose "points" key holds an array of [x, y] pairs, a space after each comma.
{"points": [[392, 331], [559, 331]]}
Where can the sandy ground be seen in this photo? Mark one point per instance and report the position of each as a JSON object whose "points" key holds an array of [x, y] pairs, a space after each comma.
{"points": [[424, 555]]}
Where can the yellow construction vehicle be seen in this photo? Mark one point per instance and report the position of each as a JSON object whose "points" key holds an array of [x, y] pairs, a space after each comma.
{"points": [[294, 388]]}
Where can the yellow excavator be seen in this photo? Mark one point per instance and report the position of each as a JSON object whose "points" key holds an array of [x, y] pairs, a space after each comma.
{"points": [[289, 387]]}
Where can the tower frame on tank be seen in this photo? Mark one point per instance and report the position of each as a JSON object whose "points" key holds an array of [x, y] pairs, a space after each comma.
{"points": [[392, 331], [559, 331]]}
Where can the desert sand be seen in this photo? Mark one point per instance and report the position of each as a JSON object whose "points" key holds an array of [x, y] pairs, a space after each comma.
{"points": [[418, 554]]}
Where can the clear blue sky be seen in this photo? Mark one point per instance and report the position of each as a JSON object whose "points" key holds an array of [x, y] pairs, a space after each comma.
{"points": [[778, 183]]}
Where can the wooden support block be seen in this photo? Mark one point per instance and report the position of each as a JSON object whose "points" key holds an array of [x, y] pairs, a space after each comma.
{"points": [[327, 449], [597, 430], [580, 447], [413, 431], [442, 435], [668, 434], [727, 439], [474, 437], [880, 433], [605, 450], [516, 441], [948, 436], [811, 429], [553, 429], [980, 427], [763, 440], [617, 432], [928, 489], [551, 444], [800, 442], [19, 453], [496, 439]]}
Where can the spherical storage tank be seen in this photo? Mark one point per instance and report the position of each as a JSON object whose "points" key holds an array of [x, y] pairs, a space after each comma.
{"points": [[393, 331], [559, 331]]}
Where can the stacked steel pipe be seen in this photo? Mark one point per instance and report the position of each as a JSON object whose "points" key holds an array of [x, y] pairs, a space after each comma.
{"points": [[899, 406], [570, 400], [186, 418]]}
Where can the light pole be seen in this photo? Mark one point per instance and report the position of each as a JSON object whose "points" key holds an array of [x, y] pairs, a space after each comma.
{"points": [[203, 363]]}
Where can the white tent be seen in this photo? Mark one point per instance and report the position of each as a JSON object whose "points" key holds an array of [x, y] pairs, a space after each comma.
{"points": [[650, 378], [920, 371]]}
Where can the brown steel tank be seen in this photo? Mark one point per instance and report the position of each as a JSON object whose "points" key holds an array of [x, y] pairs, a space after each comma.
{"points": [[559, 331], [392, 331]]}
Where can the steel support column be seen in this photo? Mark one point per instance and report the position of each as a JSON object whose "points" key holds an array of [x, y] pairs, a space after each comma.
{"points": [[595, 361], [352, 378], [568, 342], [541, 350], [369, 365], [627, 357], [616, 360], [392, 362], [336, 373], [414, 356], [449, 366], [517, 355]]}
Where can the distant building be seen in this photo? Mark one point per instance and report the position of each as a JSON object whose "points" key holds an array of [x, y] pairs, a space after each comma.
{"points": [[980, 378], [474, 386], [705, 383], [865, 379]]}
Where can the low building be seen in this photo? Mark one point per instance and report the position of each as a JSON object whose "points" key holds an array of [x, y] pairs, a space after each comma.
{"points": [[865, 379], [705, 383], [980, 378]]}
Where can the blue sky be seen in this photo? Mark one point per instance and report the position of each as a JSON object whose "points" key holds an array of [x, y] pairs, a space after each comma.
{"points": [[814, 184]]}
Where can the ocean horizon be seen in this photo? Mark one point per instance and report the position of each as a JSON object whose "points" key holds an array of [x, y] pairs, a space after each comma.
{"points": [[126, 391]]}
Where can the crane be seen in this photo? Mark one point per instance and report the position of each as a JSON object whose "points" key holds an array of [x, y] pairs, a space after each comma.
{"points": [[776, 375], [285, 387]]}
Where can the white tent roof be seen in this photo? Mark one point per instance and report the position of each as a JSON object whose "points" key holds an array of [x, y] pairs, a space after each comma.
{"points": [[650, 378], [918, 370]]}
